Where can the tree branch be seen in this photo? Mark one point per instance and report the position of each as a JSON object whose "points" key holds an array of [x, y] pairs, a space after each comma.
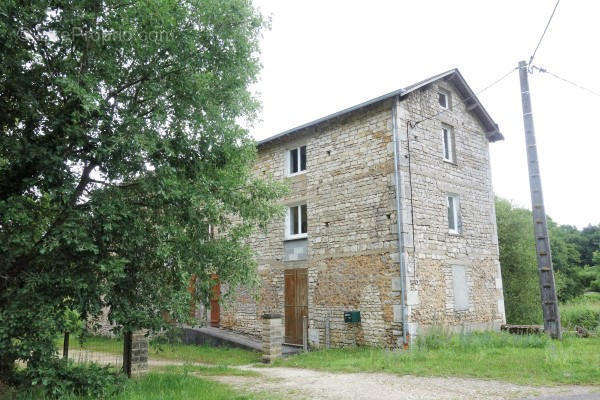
{"points": [[22, 262]]}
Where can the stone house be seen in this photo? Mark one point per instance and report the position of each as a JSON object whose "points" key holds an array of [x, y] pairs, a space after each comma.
{"points": [[414, 161]]}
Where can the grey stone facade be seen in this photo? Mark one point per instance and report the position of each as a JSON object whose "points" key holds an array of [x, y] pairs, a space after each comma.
{"points": [[351, 250]]}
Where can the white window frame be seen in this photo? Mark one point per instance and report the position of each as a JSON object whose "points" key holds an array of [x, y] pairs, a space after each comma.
{"points": [[446, 94], [448, 132], [288, 158], [455, 201], [288, 223]]}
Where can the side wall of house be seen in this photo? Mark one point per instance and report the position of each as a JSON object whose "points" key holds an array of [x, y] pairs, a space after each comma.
{"points": [[352, 255], [349, 192], [454, 280]]}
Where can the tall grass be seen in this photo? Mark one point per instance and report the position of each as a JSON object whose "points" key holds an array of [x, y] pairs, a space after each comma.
{"points": [[583, 311], [159, 386], [439, 338], [529, 359]]}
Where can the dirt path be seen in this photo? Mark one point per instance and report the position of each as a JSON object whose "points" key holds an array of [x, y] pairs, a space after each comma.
{"points": [[293, 383], [296, 383]]}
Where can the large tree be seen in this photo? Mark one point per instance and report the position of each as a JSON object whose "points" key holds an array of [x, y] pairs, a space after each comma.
{"points": [[121, 153]]}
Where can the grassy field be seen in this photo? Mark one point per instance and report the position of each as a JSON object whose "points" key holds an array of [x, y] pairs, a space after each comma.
{"points": [[175, 385], [178, 352], [534, 360]]}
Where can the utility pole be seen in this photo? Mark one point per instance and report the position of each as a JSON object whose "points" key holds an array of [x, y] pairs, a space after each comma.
{"points": [[540, 228]]}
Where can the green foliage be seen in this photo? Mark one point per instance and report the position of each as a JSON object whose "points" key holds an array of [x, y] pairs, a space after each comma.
{"points": [[175, 385], [589, 277], [570, 249], [596, 258], [124, 169], [60, 379], [518, 261], [589, 244], [582, 311], [568, 285]]}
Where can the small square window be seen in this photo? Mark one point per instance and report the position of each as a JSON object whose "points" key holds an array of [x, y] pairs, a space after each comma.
{"points": [[297, 222], [444, 99], [448, 143], [453, 214], [297, 160]]}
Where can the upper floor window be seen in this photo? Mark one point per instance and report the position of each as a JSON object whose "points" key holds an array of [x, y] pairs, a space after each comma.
{"points": [[444, 99], [297, 222], [453, 213], [448, 142], [297, 160]]}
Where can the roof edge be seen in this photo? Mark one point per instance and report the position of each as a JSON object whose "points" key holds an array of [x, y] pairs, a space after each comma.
{"points": [[399, 92], [493, 134]]}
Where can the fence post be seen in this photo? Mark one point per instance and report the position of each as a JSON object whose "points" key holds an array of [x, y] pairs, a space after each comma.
{"points": [[127, 353], [66, 346], [272, 337], [135, 353]]}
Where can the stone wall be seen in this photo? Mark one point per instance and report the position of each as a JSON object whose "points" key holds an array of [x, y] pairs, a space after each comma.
{"points": [[352, 240], [431, 274]]}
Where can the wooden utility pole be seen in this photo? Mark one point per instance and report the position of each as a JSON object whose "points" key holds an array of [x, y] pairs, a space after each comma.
{"points": [[540, 228]]}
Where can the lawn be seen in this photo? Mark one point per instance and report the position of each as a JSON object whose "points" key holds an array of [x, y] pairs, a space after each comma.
{"points": [[534, 360], [166, 386], [178, 352]]}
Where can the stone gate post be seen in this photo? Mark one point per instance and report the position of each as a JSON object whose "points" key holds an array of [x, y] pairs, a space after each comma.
{"points": [[272, 337], [135, 353]]}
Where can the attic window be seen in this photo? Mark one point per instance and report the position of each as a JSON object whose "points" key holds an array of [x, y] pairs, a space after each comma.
{"points": [[444, 99]]}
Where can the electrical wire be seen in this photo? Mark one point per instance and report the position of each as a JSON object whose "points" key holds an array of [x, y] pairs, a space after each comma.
{"points": [[473, 96], [544, 70], [543, 33]]}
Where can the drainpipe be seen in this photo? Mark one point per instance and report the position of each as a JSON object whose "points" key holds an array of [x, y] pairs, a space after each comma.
{"points": [[399, 218]]}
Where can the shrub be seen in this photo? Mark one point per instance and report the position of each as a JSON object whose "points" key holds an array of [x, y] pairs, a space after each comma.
{"points": [[62, 379], [582, 311]]}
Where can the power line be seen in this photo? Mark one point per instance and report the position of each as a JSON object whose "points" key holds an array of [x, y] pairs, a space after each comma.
{"points": [[544, 70], [543, 33], [474, 95]]}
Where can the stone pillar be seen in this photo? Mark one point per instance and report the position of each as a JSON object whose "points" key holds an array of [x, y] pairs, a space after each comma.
{"points": [[272, 337], [135, 353]]}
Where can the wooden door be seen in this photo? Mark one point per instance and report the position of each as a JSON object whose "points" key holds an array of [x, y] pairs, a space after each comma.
{"points": [[215, 311], [296, 303]]}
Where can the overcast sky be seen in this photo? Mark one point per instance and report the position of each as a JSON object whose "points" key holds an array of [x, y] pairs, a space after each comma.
{"points": [[322, 56]]}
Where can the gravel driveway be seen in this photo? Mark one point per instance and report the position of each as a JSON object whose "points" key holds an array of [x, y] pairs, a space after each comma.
{"points": [[293, 383], [297, 383]]}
